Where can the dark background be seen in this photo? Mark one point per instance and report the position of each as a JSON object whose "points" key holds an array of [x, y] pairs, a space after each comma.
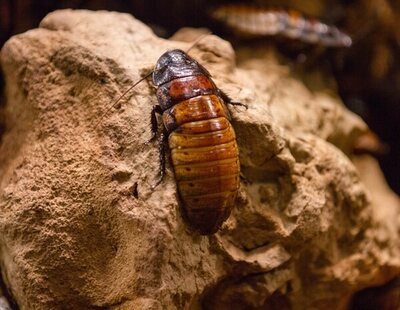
{"points": [[368, 73]]}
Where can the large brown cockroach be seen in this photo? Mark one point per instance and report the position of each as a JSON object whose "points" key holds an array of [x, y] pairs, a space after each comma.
{"points": [[200, 136], [257, 21]]}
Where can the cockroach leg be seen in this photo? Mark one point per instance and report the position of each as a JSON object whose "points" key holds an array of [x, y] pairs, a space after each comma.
{"points": [[154, 123], [162, 147], [228, 100]]}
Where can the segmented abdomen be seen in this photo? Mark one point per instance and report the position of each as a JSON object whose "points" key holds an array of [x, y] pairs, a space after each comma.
{"points": [[205, 158]]}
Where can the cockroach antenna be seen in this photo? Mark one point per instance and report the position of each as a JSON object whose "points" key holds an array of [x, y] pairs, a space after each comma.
{"points": [[198, 40], [122, 96]]}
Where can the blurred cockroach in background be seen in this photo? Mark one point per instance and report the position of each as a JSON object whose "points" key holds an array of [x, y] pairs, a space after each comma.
{"points": [[256, 21]]}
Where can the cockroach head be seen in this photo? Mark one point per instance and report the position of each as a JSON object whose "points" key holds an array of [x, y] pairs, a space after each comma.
{"points": [[175, 64]]}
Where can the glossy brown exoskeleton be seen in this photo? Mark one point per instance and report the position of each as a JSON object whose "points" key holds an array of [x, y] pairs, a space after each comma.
{"points": [[201, 139]]}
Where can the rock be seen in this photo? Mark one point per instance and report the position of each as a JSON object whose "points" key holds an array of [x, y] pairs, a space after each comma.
{"points": [[304, 232]]}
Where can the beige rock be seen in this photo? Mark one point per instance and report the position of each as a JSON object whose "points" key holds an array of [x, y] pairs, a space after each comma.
{"points": [[73, 236]]}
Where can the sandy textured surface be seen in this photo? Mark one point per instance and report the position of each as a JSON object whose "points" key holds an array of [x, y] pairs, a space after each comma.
{"points": [[309, 227]]}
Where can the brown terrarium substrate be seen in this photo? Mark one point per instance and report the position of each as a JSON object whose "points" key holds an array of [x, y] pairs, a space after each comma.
{"points": [[311, 226]]}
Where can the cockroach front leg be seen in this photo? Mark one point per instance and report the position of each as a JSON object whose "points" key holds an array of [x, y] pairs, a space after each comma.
{"points": [[228, 100], [153, 121], [162, 148]]}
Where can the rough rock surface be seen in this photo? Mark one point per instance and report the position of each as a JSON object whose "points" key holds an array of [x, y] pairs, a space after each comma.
{"points": [[305, 233]]}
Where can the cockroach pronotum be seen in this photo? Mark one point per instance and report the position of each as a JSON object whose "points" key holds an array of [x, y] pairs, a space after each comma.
{"points": [[200, 136], [257, 21]]}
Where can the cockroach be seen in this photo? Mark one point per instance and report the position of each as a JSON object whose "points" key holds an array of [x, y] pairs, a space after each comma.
{"points": [[257, 21], [200, 136], [201, 139]]}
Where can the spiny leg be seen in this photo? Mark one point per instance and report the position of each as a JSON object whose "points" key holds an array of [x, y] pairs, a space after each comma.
{"points": [[228, 100], [153, 121], [162, 147]]}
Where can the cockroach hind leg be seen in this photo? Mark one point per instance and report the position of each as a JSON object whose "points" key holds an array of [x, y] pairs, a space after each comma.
{"points": [[228, 100]]}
